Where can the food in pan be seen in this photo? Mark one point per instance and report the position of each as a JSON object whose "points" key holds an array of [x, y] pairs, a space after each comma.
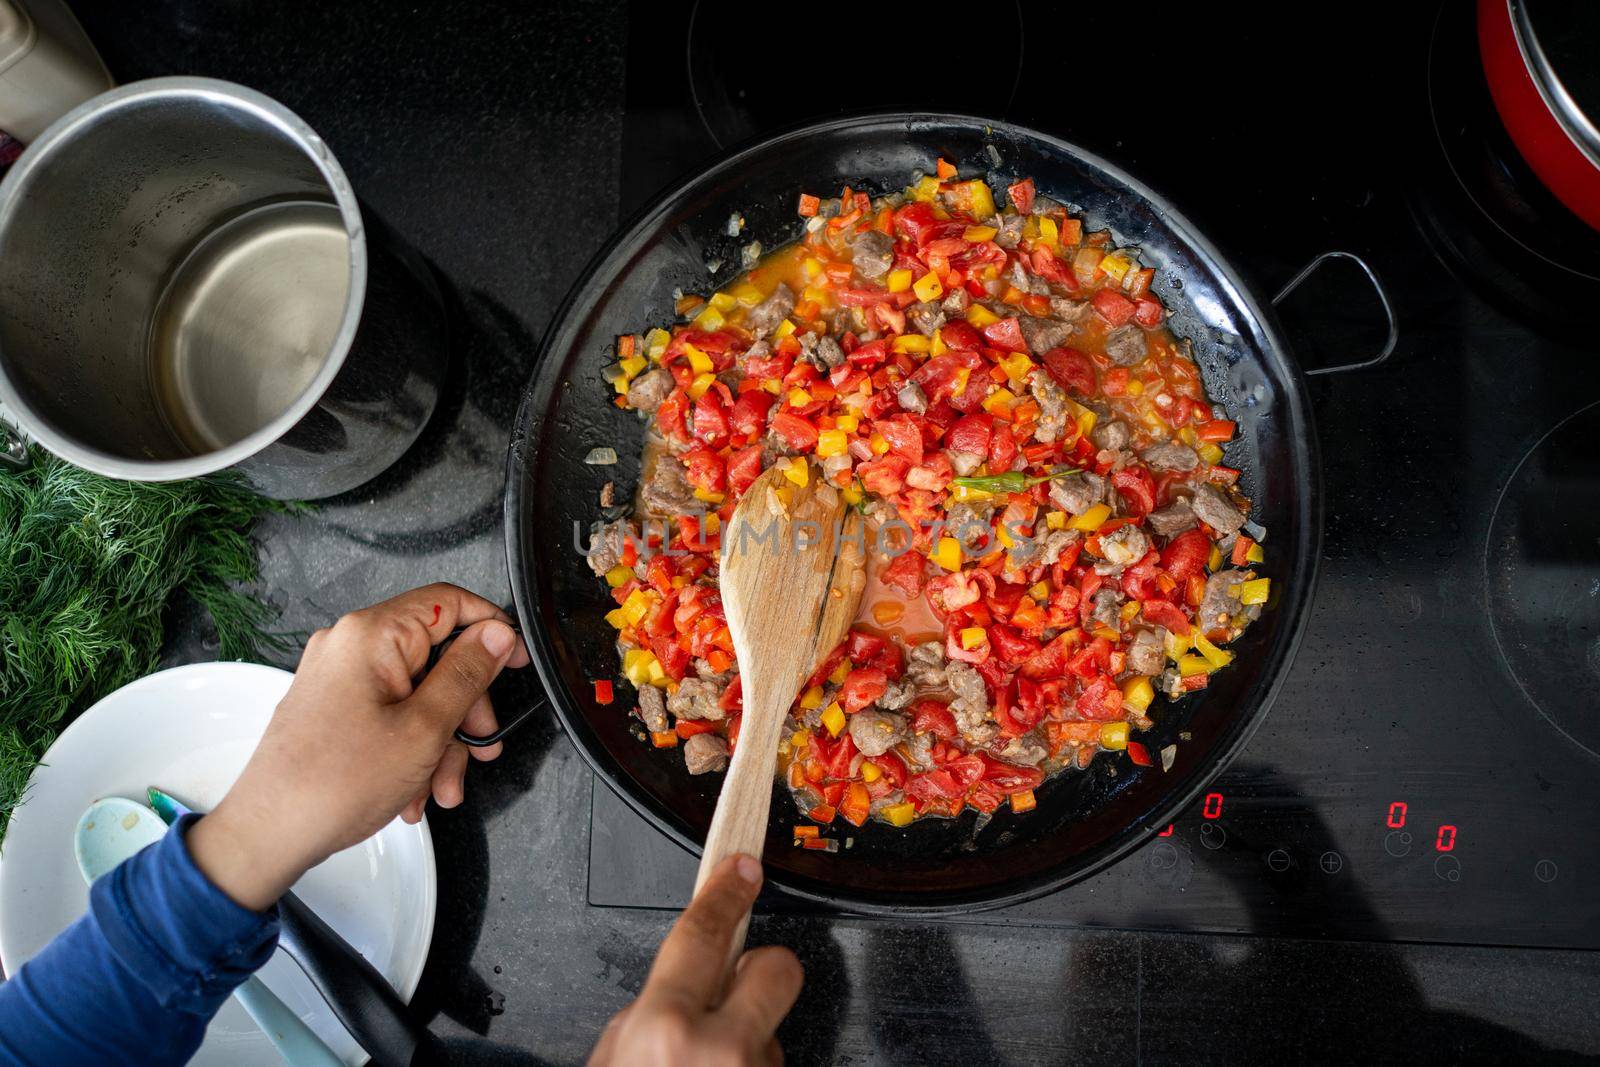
{"points": [[1055, 535]]}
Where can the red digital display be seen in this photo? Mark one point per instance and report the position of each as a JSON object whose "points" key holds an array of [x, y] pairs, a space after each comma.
{"points": [[1167, 832], [1397, 815], [1446, 840], [1213, 806]]}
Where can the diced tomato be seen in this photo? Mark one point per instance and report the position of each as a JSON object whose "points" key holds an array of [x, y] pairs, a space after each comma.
{"points": [[749, 414], [1010, 645], [1165, 613], [870, 650], [1034, 701], [1091, 660], [800, 433], [937, 784], [965, 771], [905, 572], [1044, 263], [776, 365], [856, 805], [1139, 755], [884, 477], [687, 728], [893, 769], [1148, 312], [869, 355], [985, 797], [704, 469], [904, 435], [1216, 430], [743, 468], [673, 414], [933, 717], [949, 593], [673, 656], [961, 335], [695, 534], [1002, 448], [913, 220], [711, 419], [1186, 555], [1101, 700], [1021, 194], [1137, 487], [1008, 776], [1072, 370], [1005, 334], [861, 687], [934, 474], [970, 434], [1112, 306]]}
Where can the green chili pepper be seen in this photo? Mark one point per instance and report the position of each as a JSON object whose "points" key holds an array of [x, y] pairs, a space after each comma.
{"points": [[1010, 481]]}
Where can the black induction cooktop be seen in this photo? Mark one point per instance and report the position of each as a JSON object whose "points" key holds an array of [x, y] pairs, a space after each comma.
{"points": [[1431, 771]]}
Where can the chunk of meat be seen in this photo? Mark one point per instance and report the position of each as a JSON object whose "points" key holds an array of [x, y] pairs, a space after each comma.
{"points": [[968, 524], [697, 698], [1041, 335], [1126, 346], [1008, 230], [971, 703], [607, 542], [1216, 510], [912, 398], [648, 390], [668, 491], [872, 254], [1170, 456], [653, 710], [876, 732], [925, 664], [1124, 546], [1019, 277], [1025, 751], [964, 462], [705, 753], [1112, 434], [823, 352], [1067, 309], [1055, 543], [1052, 406], [925, 317], [765, 316], [1171, 520], [1077, 492], [1107, 607], [956, 302], [1218, 605], [898, 695], [1148, 652]]}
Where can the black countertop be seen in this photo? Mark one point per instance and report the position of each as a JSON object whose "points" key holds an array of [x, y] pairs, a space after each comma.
{"points": [[490, 136]]}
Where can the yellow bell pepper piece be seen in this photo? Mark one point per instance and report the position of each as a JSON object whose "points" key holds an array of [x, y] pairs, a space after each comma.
{"points": [[927, 287], [1049, 232], [1214, 560], [974, 198], [811, 698], [1177, 646], [853, 494], [633, 365], [1253, 592], [1017, 366], [1114, 736], [1189, 666], [899, 814], [616, 618], [772, 385], [973, 637], [900, 280], [841, 672], [1218, 658], [878, 443], [747, 294], [978, 234], [979, 317], [1092, 519], [1188, 436], [947, 554], [833, 719], [636, 665], [1056, 520], [785, 328], [1255, 554], [723, 301], [658, 673], [832, 443], [847, 423], [618, 575], [912, 342], [938, 347], [1040, 591], [1129, 610], [709, 319], [636, 606], [813, 268], [799, 472], [1211, 452], [1137, 693], [1136, 388], [710, 496], [1116, 266], [698, 387], [870, 772], [999, 402], [799, 739], [925, 189], [699, 362], [656, 342], [799, 398]]}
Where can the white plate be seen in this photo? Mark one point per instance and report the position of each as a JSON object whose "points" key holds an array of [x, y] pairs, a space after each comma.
{"points": [[190, 730]]}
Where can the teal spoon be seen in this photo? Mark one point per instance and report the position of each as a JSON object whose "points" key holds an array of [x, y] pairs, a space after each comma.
{"points": [[114, 829]]}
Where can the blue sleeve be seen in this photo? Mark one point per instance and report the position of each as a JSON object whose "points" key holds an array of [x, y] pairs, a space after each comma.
{"points": [[136, 980]]}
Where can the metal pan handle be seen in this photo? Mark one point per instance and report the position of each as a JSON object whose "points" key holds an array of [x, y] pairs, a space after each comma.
{"points": [[14, 450], [506, 727], [1383, 298]]}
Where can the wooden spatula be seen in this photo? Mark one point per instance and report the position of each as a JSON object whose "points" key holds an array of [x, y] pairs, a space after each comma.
{"points": [[792, 575]]}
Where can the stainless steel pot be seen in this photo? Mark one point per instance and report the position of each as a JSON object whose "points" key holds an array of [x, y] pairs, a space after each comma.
{"points": [[188, 284]]}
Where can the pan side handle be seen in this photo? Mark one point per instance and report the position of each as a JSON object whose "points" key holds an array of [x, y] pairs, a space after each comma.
{"points": [[1389, 342]]}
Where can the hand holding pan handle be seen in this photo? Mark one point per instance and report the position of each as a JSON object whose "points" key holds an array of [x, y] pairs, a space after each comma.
{"points": [[505, 727], [1383, 298]]}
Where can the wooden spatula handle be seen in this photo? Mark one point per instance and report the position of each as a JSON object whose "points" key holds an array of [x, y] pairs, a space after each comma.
{"points": [[740, 824]]}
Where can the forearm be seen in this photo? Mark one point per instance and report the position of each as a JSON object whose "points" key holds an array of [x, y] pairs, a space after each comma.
{"points": [[137, 979]]}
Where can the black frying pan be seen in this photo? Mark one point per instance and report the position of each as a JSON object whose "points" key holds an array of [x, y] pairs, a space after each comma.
{"points": [[1084, 820]]}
